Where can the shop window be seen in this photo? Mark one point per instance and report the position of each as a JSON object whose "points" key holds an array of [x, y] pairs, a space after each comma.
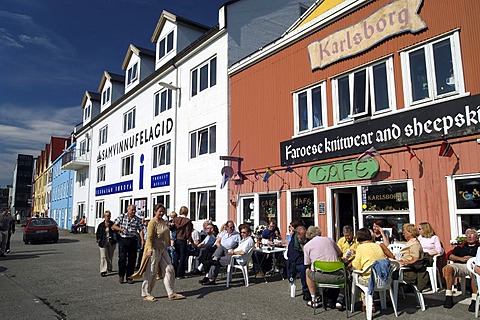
{"points": [[433, 70], [467, 203], [268, 208], [202, 205], [248, 210], [310, 112], [364, 92], [303, 207]]}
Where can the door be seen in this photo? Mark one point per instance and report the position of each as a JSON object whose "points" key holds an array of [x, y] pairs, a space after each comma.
{"points": [[345, 210]]}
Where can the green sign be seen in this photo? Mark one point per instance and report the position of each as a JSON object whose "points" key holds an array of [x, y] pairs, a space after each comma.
{"points": [[344, 171]]}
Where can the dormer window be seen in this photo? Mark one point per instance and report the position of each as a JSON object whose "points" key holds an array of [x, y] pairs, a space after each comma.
{"points": [[132, 73], [86, 112], [106, 96], [165, 45]]}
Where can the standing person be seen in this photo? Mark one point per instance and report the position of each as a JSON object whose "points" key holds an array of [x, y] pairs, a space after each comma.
{"points": [[4, 226], [107, 241], [11, 230], [173, 237], [155, 258], [184, 227], [18, 217], [130, 228]]}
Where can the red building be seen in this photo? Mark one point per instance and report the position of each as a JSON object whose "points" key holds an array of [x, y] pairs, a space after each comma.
{"points": [[400, 77]]}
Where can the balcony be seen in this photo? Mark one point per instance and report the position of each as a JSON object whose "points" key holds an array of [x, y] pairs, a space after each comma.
{"points": [[75, 160]]}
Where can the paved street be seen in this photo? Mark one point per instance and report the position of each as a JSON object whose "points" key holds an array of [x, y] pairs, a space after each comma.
{"points": [[62, 281]]}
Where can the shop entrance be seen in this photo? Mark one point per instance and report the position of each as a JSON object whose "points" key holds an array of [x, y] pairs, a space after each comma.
{"points": [[344, 210]]}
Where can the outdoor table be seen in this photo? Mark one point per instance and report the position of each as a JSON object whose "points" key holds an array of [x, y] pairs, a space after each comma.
{"points": [[275, 251]]}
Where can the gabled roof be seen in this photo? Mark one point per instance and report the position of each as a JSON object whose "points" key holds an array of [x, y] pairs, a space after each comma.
{"points": [[178, 20], [316, 10], [113, 77], [139, 51], [93, 96]]}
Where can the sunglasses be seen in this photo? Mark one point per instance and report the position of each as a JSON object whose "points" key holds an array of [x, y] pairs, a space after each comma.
{"points": [[243, 232]]}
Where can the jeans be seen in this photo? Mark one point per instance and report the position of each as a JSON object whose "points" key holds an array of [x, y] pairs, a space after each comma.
{"points": [[127, 256], [181, 251]]}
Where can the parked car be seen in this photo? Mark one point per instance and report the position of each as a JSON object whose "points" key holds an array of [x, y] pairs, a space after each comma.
{"points": [[40, 229]]}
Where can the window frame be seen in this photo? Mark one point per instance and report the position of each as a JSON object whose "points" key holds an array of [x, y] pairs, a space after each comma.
{"points": [[127, 165], [196, 83], [309, 100], [101, 173], [158, 106], [106, 95], [87, 112], [369, 102], [165, 43], [132, 73], [160, 150], [82, 179], [103, 135], [457, 70], [455, 213], [196, 141], [196, 203], [129, 120], [99, 208]]}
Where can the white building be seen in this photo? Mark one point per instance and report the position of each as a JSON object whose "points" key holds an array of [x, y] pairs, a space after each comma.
{"points": [[156, 134]]}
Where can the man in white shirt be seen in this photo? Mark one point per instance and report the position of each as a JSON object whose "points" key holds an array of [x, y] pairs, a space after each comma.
{"points": [[244, 246]]}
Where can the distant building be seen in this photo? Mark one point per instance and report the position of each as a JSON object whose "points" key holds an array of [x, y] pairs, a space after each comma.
{"points": [[3, 198], [22, 186]]}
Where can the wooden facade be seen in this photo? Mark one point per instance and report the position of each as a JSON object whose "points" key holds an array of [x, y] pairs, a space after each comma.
{"points": [[262, 97]]}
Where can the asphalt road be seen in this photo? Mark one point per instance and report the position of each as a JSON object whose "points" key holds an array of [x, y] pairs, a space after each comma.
{"points": [[62, 281]]}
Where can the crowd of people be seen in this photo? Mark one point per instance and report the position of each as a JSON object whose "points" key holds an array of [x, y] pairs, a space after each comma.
{"points": [[159, 249]]}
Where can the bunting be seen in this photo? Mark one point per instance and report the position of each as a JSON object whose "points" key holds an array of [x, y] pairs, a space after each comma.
{"points": [[370, 153], [446, 150], [412, 153], [268, 174]]}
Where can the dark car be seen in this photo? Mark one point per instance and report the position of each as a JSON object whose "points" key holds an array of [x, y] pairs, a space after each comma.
{"points": [[40, 229]]}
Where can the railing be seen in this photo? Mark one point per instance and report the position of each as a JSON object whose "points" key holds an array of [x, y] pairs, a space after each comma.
{"points": [[75, 159]]}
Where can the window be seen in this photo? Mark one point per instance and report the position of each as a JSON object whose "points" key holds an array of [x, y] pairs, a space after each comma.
{"points": [[86, 112], [310, 110], [83, 147], [129, 120], [99, 209], [161, 154], [433, 70], [204, 76], [202, 205], [302, 205], [82, 178], [101, 173], [165, 45], [364, 92], [163, 101], [132, 73], [161, 198], [203, 141], [102, 135], [127, 165], [106, 96], [124, 203], [466, 194], [81, 209], [268, 208]]}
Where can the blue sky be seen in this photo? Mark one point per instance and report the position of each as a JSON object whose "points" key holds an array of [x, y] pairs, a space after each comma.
{"points": [[51, 51]]}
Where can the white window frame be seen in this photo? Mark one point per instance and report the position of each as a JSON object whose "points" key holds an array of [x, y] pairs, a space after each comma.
{"points": [[323, 102], [369, 92], [195, 77], [127, 165], [457, 70], [162, 154], [195, 145], [87, 112], [124, 203], [163, 198], [103, 135], [163, 43], [81, 210], [158, 105], [106, 94], [132, 73], [195, 208], [101, 173], [99, 209], [129, 120], [82, 179]]}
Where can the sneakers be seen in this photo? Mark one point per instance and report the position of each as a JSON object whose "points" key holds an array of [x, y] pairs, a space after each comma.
{"points": [[210, 283], [471, 307], [449, 302], [314, 304], [204, 280]]}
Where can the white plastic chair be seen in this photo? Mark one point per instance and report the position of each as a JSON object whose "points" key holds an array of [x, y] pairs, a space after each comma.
{"points": [[470, 267], [396, 248], [380, 286], [243, 266], [434, 275], [418, 294]]}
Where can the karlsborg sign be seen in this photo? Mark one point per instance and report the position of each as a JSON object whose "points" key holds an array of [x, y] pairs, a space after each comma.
{"points": [[454, 118], [397, 17], [344, 171]]}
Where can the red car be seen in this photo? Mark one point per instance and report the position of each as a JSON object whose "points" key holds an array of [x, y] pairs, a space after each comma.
{"points": [[40, 229]]}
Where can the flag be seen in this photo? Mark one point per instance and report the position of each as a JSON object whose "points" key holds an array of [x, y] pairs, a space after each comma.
{"points": [[446, 149], [267, 174], [225, 178], [289, 169], [411, 152], [370, 153], [255, 174]]}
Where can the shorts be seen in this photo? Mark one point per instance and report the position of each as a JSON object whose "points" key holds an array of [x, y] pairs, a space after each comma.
{"points": [[326, 277], [459, 269]]}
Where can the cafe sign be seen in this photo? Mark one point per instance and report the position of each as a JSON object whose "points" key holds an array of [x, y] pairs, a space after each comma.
{"points": [[397, 17], [344, 171]]}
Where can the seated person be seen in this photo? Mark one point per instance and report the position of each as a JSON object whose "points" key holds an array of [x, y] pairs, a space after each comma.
{"points": [[263, 262], [430, 242], [244, 246], [366, 254], [291, 230], [347, 244], [226, 240], [271, 232], [379, 234], [320, 248], [412, 254], [205, 248], [459, 256], [295, 260], [79, 225]]}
